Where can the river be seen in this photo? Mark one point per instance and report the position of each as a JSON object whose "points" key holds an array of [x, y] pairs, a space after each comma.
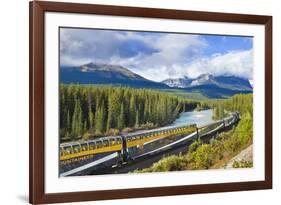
{"points": [[194, 117], [186, 118]]}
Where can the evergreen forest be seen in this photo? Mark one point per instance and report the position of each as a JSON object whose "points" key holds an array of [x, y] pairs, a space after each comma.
{"points": [[94, 111]]}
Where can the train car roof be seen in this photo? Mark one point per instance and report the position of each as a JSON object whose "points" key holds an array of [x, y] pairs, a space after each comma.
{"points": [[156, 130], [89, 141]]}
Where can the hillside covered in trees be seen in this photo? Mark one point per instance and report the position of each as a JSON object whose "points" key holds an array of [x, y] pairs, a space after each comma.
{"points": [[94, 111], [243, 103]]}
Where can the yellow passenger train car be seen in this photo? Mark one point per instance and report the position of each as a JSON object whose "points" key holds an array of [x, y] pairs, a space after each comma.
{"points": [[117, 143]]}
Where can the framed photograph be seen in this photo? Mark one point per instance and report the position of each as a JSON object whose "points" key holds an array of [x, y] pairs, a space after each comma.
{"points": [[139, 102]]}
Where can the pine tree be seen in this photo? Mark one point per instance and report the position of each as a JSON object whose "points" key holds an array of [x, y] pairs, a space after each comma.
{"points": [[68, 123], [91, 118], [121, 118], [85, 126], [113, 109], [77, 120], [132, 109], [109, 120], [146, 111], [137, 119], [100, 119]]}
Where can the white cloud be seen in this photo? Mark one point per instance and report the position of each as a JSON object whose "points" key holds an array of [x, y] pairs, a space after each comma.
{"points": [[174, 51], [238, 63], [153, 55]]}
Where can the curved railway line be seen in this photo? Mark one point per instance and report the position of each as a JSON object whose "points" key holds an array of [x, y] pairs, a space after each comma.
{"points": [[80, 158]]}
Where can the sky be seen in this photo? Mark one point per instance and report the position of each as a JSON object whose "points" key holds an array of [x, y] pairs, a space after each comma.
{"points": [[158, 56]]}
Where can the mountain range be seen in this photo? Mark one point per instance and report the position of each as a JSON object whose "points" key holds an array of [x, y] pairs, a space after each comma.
{"points": [[228, 82], [99, 73], [205, 84]]}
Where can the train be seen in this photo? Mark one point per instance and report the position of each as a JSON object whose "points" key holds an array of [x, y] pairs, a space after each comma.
{"points": [[118, 143], [131, 146]]}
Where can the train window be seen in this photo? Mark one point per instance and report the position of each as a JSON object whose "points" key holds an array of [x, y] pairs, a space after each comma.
{"points": [[76, 148], [105, 143], [84, 146], [92, 145], [112, 142], [61, 152], [118, 141], [64, 153], [99, 144], [68, 150]]}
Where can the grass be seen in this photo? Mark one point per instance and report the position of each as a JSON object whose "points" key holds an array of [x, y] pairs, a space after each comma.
{"points": [[242, 164]]}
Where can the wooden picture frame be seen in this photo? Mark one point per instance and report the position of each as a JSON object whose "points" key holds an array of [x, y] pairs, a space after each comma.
{"points": [[37, 87]]}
